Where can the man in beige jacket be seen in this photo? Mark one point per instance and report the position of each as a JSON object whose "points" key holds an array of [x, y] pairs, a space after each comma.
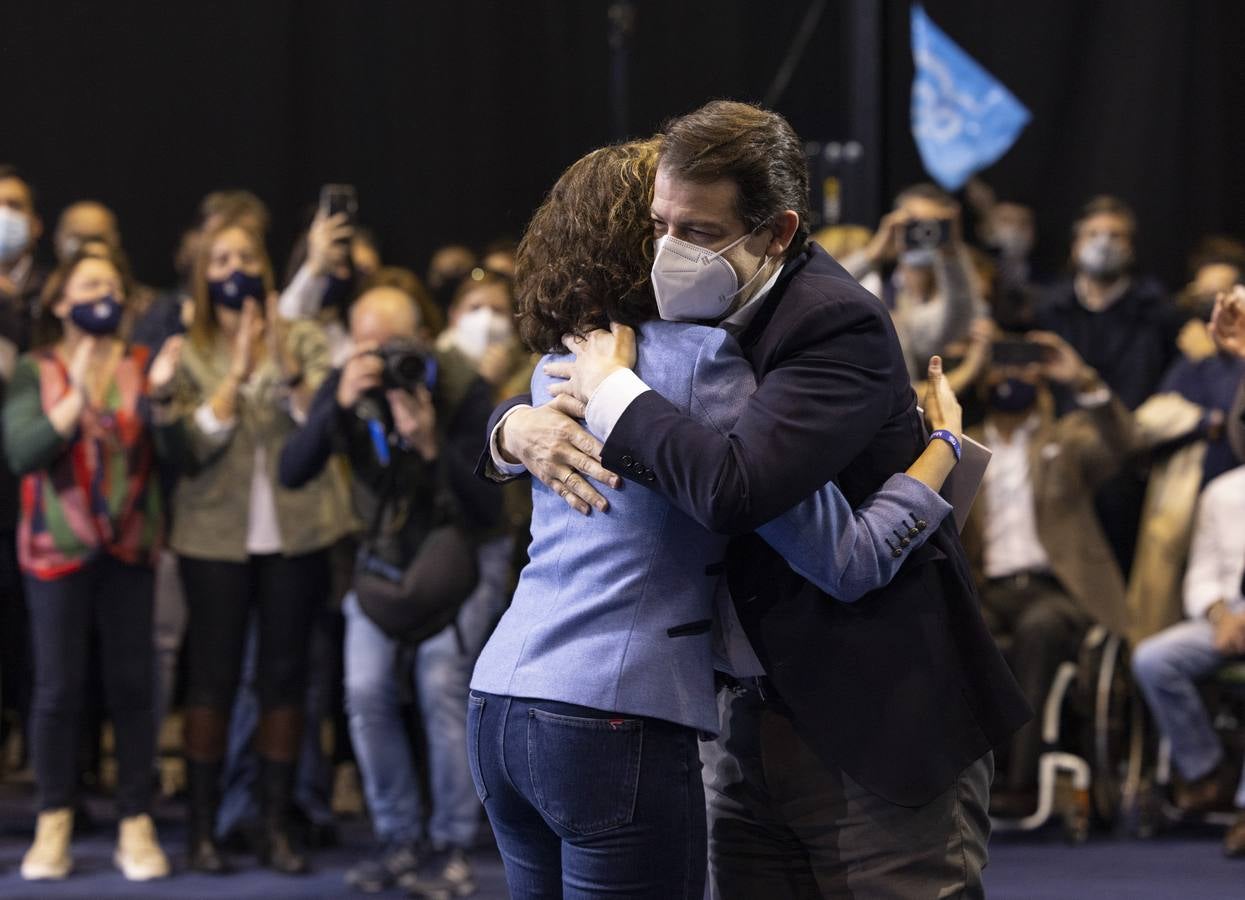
{"points": [[1038, 552]]}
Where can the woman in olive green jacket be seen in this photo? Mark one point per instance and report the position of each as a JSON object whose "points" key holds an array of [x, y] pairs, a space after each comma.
{"points": [[225, 405]]}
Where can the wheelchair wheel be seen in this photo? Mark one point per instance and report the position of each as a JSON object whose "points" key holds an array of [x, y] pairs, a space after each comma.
{"points": [[1109, 722]]}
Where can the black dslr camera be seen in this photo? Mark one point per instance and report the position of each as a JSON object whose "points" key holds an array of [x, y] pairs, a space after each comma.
{"points": [[406, 366], [926, 234]]}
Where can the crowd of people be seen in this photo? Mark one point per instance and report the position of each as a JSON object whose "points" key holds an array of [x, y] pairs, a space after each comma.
{"points": [[267, 505]]}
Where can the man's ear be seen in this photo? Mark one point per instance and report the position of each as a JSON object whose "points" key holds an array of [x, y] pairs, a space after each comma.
{"points": [[782, 230]]}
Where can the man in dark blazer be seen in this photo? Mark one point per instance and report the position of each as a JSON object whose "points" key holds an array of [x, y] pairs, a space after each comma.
{"points": [[859, 763]]}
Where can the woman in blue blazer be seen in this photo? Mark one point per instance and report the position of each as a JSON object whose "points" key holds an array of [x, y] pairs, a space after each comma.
{"points": [[587, 703]]}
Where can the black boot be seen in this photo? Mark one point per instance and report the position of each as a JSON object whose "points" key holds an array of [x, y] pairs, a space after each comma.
{"points": [[203, 797], [276, 785]]}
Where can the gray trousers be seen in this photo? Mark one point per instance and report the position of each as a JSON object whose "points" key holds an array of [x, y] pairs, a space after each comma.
{"points": [[784, 825]]}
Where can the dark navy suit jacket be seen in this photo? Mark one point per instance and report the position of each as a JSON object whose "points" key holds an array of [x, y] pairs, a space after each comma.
{"points": [[904, 688]]}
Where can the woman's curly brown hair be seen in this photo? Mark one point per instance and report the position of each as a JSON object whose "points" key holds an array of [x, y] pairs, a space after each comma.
{"points": [[585, 258]]}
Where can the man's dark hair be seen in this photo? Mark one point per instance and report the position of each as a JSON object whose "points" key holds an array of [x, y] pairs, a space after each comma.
{"points": [[1106, 205], [755, 148], [8, 171]]}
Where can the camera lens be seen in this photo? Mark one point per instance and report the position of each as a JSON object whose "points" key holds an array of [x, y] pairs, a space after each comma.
{"points": [[407, 369]]}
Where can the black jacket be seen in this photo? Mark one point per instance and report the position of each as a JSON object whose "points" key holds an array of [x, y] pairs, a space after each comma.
{"points": [[1130, 344], [904, 688], [420, 495]]}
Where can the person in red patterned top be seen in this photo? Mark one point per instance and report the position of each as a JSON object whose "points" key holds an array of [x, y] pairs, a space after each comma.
{"points": [[76, 433]]}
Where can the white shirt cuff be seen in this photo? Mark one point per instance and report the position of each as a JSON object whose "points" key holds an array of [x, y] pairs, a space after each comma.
{"points": [[501, 468], [211, 426], [1091, 399], [611, 399], [302, 296]]}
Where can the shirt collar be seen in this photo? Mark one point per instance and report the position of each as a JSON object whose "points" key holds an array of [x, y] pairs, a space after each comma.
{"points": [[994, 437], [1080, 287], [738, 321]]}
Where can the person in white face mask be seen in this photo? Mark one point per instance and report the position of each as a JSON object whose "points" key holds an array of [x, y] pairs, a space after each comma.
{"points": [[918, 266], [481, 327], [1123, 323], [21, 279]]}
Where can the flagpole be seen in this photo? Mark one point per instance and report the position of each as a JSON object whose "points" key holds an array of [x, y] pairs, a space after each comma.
{"points": [[862, 45]]}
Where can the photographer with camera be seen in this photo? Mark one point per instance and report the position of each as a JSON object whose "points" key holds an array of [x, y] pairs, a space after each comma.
{"points": [[917, 265], [409, 421]]}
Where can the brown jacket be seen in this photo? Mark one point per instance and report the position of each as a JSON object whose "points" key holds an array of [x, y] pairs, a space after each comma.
{"points": [[1068, 459]]}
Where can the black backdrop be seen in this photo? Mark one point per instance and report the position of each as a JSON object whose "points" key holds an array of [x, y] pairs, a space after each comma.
{"points": [[453, 118]]}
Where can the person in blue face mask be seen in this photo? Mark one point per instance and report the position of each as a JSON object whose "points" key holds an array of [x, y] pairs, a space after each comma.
{"points": [[243, 542], [75, 430]]}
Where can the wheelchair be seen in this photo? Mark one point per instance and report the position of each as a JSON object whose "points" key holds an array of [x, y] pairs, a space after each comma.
{"points": [[1091, 727], [1224, 696]]}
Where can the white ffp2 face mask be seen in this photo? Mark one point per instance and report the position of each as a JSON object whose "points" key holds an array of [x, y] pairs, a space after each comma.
{"points": [[695, 284], [479, 329]]}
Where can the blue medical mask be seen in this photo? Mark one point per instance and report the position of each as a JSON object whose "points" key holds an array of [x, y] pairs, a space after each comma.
{"points": [[232, 292], [100, 317], [338, 293], [1012, 395], [919, 257]]}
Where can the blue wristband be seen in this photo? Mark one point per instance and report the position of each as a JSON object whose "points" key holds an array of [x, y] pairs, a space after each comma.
{"points": [[944, 435]]}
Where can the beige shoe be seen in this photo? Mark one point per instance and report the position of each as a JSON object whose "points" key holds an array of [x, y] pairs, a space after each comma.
{"points": [[48, 858], [138, 855]]}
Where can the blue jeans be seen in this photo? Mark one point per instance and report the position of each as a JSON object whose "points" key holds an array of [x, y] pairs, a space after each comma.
{"points": [[441, 674], [586, 803], [1168, 667], [314, 780]]}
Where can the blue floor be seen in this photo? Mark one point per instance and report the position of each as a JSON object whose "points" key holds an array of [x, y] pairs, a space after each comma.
{"points": [[1186, 865]]}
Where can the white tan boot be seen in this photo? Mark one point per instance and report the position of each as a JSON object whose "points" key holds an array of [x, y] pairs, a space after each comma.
{"points": [[138, 855], [48, 858]]}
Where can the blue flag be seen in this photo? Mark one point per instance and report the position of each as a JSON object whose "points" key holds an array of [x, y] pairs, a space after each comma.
{"points": [[963, 119]]}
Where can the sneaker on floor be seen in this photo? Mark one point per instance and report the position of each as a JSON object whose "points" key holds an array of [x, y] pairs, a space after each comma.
{"points": [[48, 858], [445, 874], [371, 876], [138, 855]]}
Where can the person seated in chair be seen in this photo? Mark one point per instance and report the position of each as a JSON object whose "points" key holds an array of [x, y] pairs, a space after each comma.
{"points": [[1169, 664], [1044, 567]]}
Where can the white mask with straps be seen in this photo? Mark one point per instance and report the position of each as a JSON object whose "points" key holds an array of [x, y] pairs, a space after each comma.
{"points": [[694, 284]]}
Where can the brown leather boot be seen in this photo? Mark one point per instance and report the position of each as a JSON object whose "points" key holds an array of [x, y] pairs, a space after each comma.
{"points": [[1213, 792]]}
